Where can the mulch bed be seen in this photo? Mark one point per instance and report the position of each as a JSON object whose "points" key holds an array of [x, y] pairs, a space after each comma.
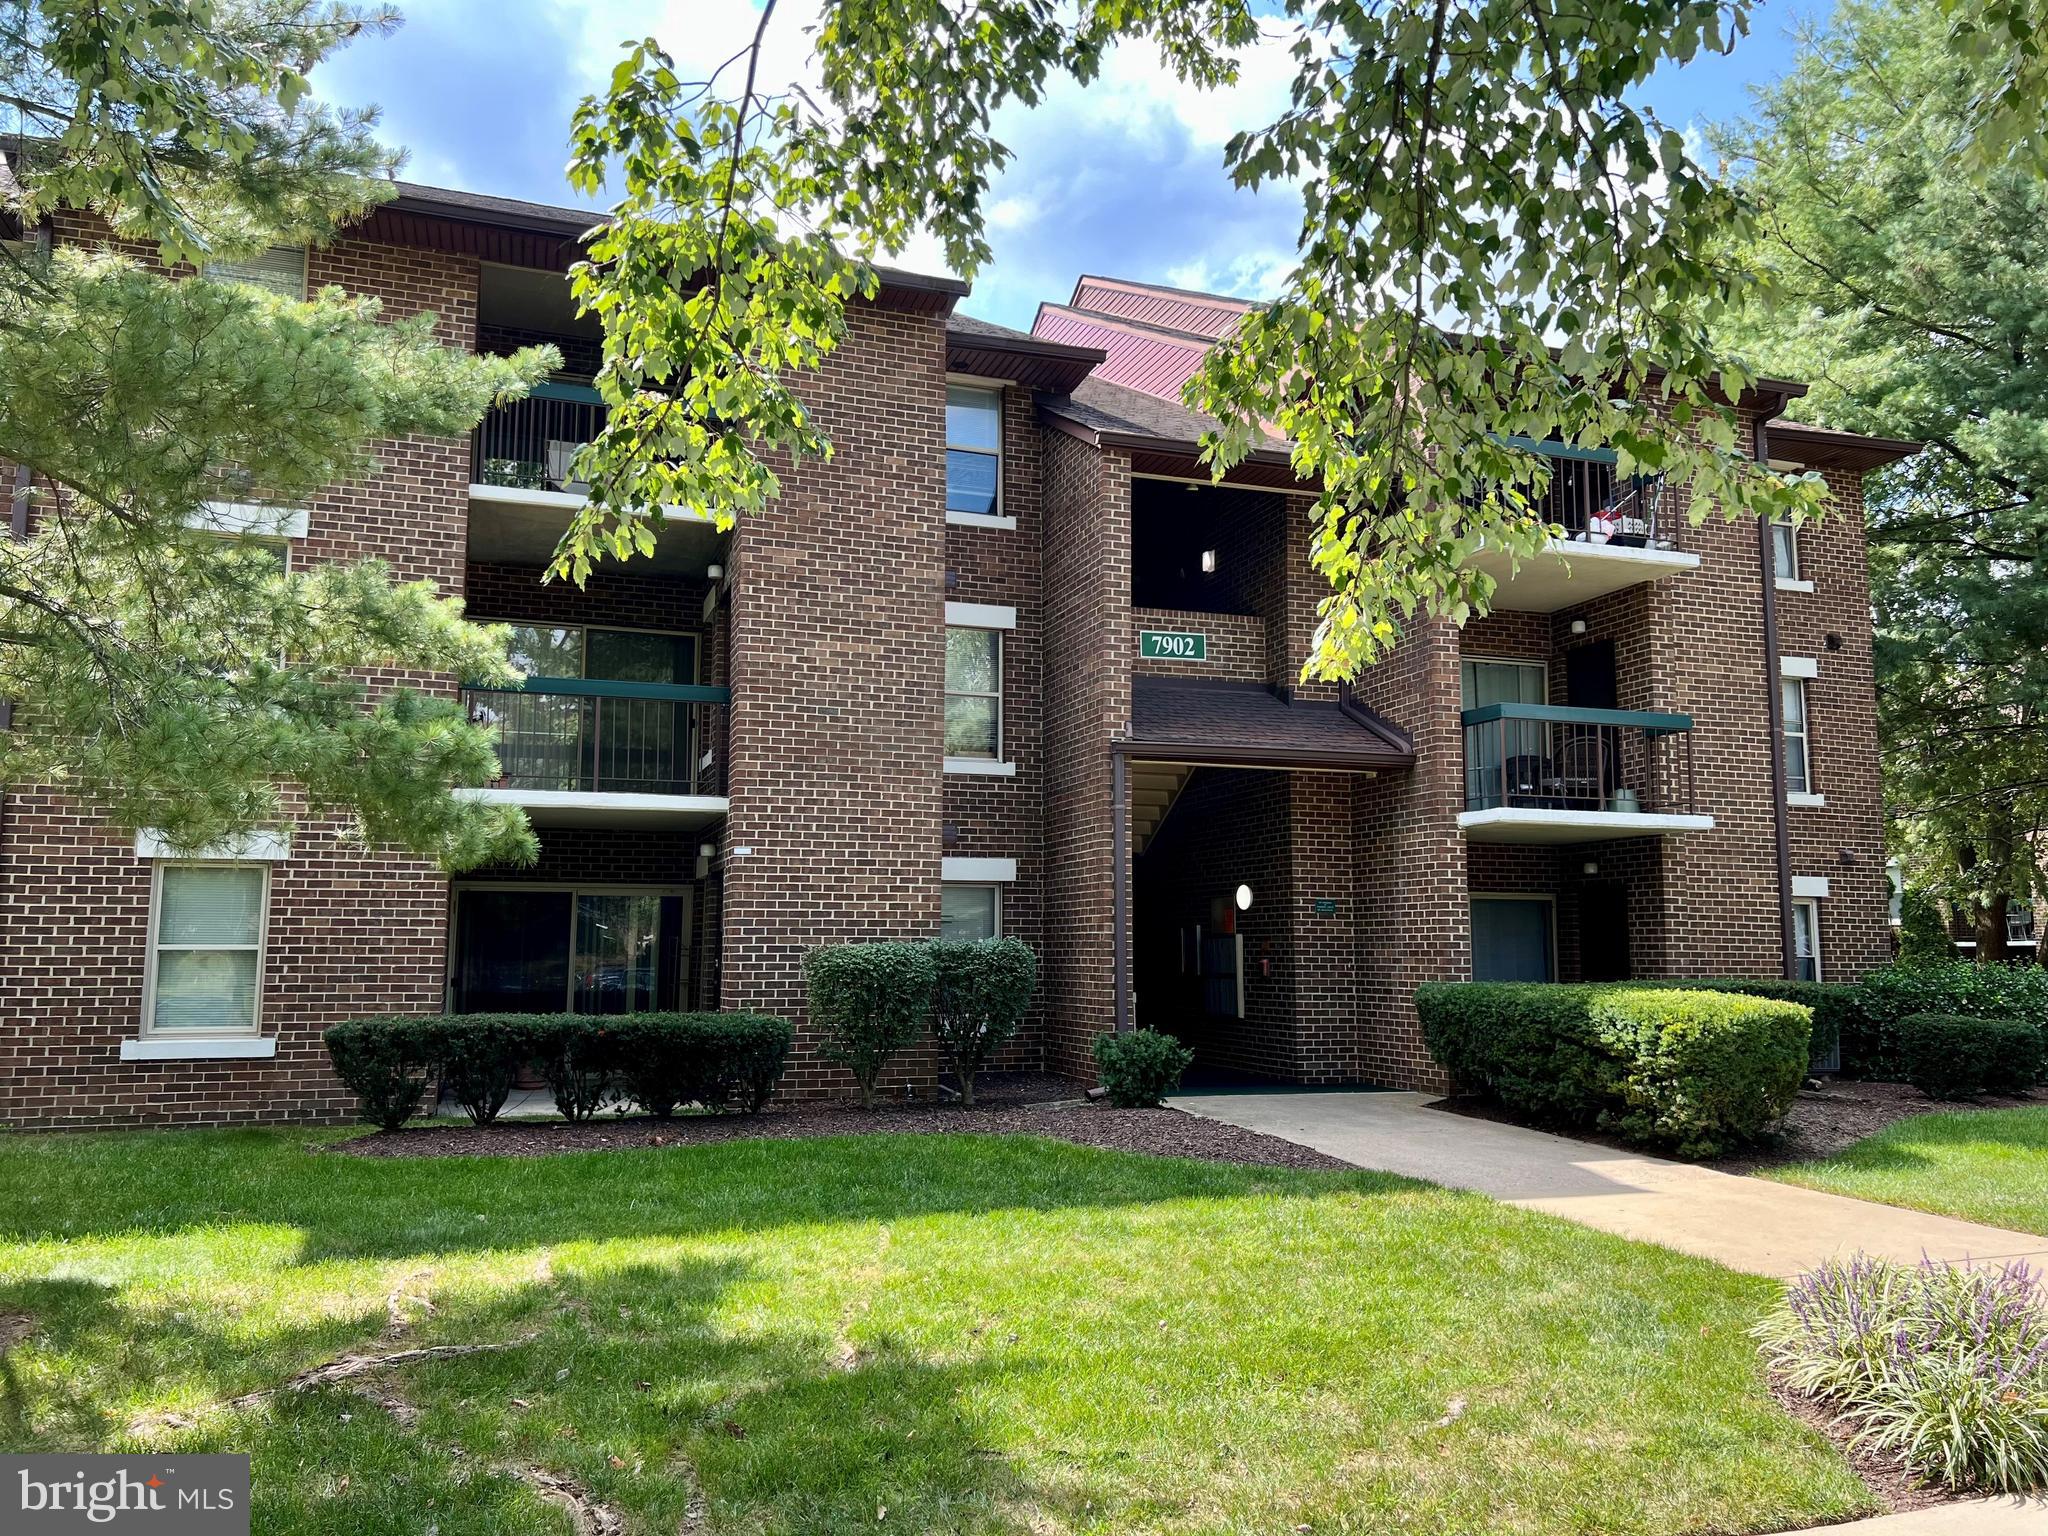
{"points": [[1899, 1490], [1019, 1104], [1823, 1121]]}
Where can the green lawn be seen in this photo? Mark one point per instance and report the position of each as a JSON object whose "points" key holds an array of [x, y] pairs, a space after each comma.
{"points": [[925, 1333], [1988, 1165]]}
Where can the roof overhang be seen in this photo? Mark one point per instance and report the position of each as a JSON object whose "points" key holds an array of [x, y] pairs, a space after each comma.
{"points": [[1823, 448], [1024, 360]]}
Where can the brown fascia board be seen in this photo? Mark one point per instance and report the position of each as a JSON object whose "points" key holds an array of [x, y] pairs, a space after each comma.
{"points": [[1252, 755], [1828, 448], [1146, 442], [1053, 366], [918, 292]]}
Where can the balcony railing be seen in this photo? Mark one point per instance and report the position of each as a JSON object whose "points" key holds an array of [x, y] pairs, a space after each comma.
{"points": [[592, 735], [1594, 503], [1542, 757], [531, 443]]}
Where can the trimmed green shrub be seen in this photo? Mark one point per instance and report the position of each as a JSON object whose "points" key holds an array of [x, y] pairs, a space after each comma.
{"points": [[1140, 1068], [748, 1052], [2019, 1057], [1958, 989], [385, 1063], [1947, 1056], [1923, 932], [477, 1056], [1700, 1072], [981, 991], [868, 1001], [575, 1055], [1530, 1045], [1836, 1005]]}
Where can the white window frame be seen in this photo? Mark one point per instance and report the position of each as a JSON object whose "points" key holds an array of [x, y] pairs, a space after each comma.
{"points": [[149, 1031], [2019, 910], [997, 517], [1811, 905], [996, 893], [1793, 578], [1801, 794], [997, 764], [231, 271]]}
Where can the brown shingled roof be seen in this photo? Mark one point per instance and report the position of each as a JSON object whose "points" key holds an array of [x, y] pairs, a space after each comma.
{"points": [[1192, 720]]}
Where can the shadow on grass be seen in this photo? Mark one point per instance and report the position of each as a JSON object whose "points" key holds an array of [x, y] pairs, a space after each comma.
{"points": [[618, 1379], [75, 1188]]}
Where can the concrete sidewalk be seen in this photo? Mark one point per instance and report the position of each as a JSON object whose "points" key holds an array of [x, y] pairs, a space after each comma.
{"points": [[1973, 1517], [1745, 1223]]}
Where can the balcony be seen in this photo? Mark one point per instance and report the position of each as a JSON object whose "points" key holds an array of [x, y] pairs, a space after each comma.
{"points": [[530, 444], [576, 751], [1538, 773], [1618, 531]]}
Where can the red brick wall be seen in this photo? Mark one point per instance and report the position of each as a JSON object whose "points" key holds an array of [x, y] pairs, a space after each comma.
{"points": [[993, 817], [838, 671], [1087, 691], [351, 931]]}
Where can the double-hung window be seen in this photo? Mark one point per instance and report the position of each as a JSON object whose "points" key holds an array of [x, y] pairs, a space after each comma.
{"points": [[1798, 737], [206, 924], [974, 694], [1806, 939], [974, 450], [970, 912], [281, 269], [1785, 551]]}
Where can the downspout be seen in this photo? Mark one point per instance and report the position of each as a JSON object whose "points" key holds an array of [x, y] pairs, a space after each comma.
{"points": [[1767, 568], [1119, 893]]}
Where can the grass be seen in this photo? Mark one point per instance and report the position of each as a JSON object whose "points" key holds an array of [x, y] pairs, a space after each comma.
{"points": [[927, 1333], [1988, 1165]]}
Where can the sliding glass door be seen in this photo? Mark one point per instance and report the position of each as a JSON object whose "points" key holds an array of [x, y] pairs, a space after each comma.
{"points": [[526, 949]]}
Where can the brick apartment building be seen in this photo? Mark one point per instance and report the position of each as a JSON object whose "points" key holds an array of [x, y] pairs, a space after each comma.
{"points": [[1008, 662]]}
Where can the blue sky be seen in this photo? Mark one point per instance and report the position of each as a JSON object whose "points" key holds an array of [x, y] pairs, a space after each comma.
{"points": [[1123, 178]]}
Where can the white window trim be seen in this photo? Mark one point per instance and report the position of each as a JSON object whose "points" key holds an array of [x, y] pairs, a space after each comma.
{"points": [[985, 387], [1793, 584], [995, 521], [168, 1047], [1805, 668], [980, 616], [254, 1030], [1810, 887], [1820, 970], [997, 766], [977, 871], [231, 518], [254, 848], [1806, 799]]}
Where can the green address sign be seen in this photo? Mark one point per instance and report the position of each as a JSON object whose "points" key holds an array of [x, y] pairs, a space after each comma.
{"points": [[1172, 645]]}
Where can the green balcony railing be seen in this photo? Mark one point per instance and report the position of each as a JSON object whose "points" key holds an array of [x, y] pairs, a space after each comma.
{"points": [[1547, 757], [594, 735], [532, 443]]}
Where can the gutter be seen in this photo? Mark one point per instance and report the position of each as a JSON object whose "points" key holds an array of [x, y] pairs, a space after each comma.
{"points": [[1774, 696]]}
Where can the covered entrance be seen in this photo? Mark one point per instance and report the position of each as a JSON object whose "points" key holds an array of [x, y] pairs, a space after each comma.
{"points": [[1239, 875]]}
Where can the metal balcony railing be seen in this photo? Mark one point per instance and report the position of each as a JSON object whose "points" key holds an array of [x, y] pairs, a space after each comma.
{"points": [[1595, 504], [592, 735], [1546, 757], [532, 443]]}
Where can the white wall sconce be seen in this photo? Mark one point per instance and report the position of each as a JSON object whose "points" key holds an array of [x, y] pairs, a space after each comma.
{"points": [[714, 572], [1591, 867], [1208, 562], [1244, 898], [706, 852], [1578, 626]]}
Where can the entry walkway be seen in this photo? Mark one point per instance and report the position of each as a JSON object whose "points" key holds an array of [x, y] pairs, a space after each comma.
{"points": [[1745, 1223]]}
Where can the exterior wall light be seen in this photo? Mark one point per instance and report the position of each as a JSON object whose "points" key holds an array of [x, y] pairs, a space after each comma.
{"points": [[1208, 562], [1244, 898]]}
